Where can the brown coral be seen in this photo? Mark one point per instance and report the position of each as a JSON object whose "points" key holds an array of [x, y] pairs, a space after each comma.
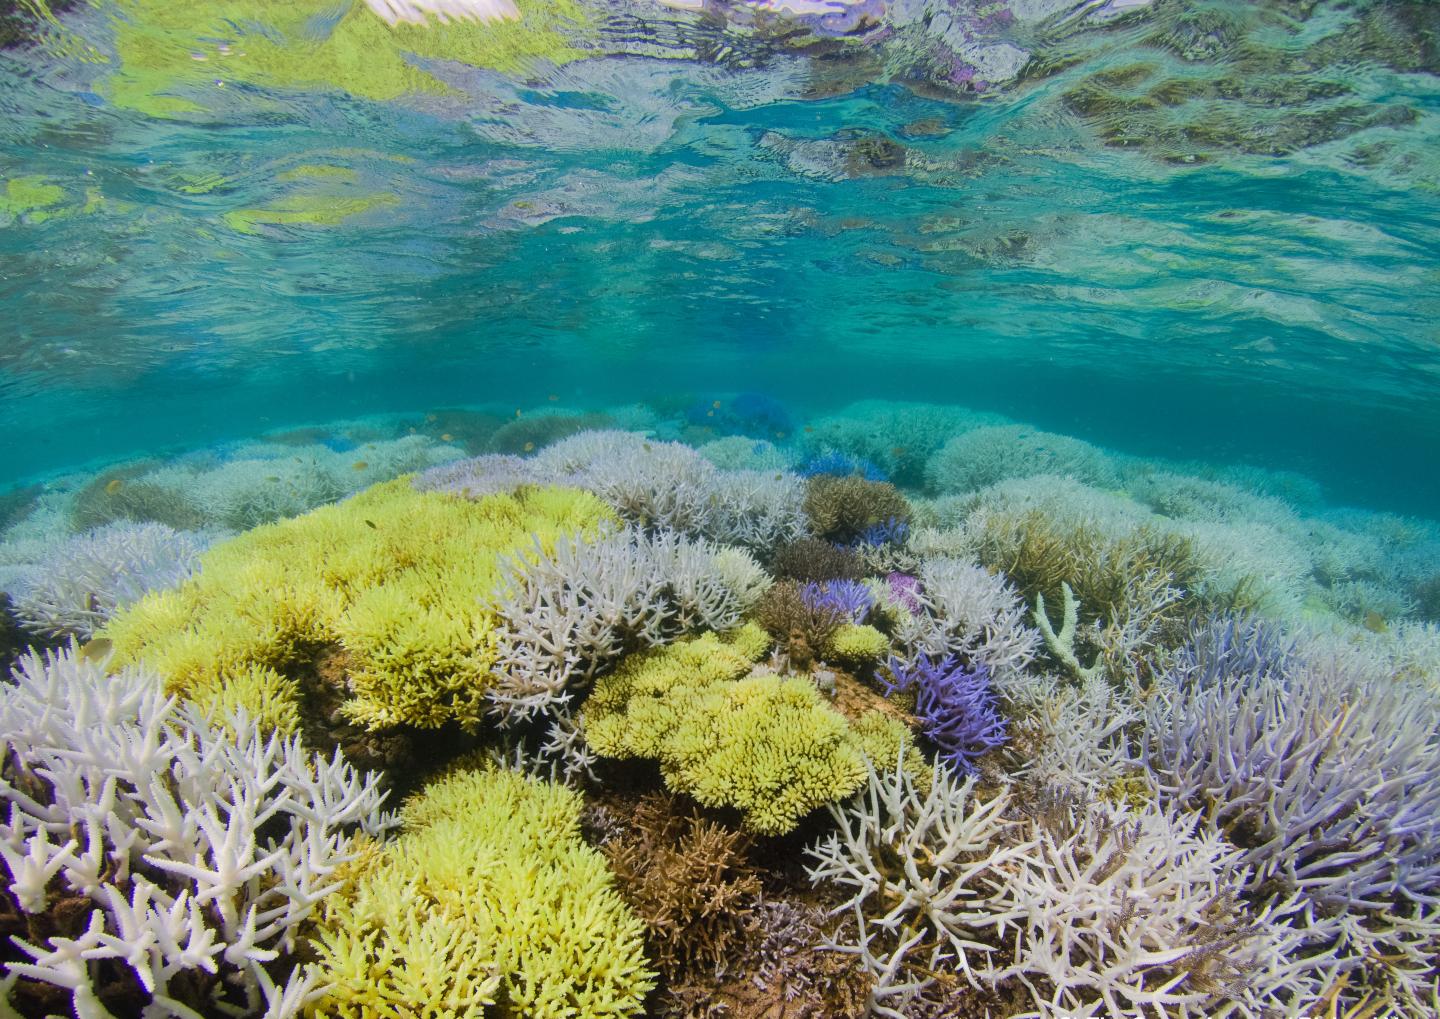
{"points": [[800, 629], [689, 879], [842, 509], [813, 559]]}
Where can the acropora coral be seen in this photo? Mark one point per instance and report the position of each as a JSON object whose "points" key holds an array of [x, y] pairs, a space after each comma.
{"points": [[767, 746], [402, 582], [488, 899]]}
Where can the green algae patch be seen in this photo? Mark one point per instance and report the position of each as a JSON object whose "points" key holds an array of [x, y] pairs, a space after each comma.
{"points": [[170, 53], [305, 210], [32, 198]]}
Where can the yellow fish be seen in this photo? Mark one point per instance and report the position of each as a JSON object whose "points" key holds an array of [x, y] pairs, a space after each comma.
{"points": [[360, 465], [114, 486], [447, 437], [96, 650]]}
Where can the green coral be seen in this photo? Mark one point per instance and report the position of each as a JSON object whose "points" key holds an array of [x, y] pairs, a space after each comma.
{"points": [[401, 581], [170, 53], [488, 903], [766, 745], [856, 644]]}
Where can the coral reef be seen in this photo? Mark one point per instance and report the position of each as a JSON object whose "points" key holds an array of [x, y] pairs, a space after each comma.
{"points": [[568, 612], [489, 897], [167, 859], [765, 745], [946, 885], [81, 584], [402, 581], [984, 456], [810, 559], [956, 706], [851, 509]]}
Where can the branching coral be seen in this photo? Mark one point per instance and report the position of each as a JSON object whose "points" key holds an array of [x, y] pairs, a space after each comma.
{"points": [[970, 612], [489, 897], [653, 485], [802, 626], [847, 509], [198, 851], [956, 706], [849, 599], [986, 455], [767, 746], [402, 581], [1329, 783], [810, 559], [689, 879], [81, 584], [1088, 909], [568, 612]]}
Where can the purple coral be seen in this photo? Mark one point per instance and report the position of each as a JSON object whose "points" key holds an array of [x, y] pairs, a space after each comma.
{"points": [[891, 531], [847, 598], [905, 589], [956, 706]]}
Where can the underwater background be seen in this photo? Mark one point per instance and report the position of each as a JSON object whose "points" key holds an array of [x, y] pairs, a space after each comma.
{"points": [[771, 509]]}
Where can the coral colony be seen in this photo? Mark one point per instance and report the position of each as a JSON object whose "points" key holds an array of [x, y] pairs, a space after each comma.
{"points": [[677, 732]]}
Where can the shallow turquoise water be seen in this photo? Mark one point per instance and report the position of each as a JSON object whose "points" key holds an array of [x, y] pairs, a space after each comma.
{"points": [[1242, 269]]}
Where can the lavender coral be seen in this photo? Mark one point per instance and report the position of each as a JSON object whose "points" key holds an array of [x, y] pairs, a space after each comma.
{"points": [[956, 706], [849, 599]]}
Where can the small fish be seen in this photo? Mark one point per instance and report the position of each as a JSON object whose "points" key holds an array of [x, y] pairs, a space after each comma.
{"points": [[114, 486], [709, 413], [371, 524], [809, 429], [273, 477], [529, 446], [431, 419], [645, 446], [447, 437], [552, 397], [360, 465], [779, 435], [716, 405], [96, 650], [517, 412], [1375, 622], [898, 451]]}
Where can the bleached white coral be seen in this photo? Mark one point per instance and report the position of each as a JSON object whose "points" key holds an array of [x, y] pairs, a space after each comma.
{"points": [[571, 612], [1135, 913], [74, 589], [651, 484], [201, 847], [1131, 914], [967, 610]]}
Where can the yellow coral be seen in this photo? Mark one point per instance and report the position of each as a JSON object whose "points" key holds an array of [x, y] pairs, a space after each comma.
{"points": [[767, 745], [401, 580], [853, 645], [489, 895]]}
